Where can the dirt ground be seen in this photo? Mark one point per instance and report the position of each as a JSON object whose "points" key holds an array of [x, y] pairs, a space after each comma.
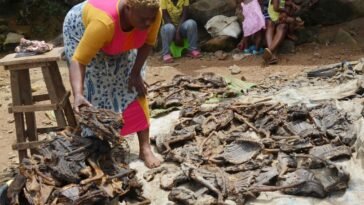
{"points": [[307, 56]]}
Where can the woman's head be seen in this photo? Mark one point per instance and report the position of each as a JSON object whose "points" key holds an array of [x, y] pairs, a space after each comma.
{"points": [[142, 13]]}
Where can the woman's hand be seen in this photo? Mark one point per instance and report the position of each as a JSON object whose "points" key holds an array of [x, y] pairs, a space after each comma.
{"points": [[136, 81], [80, 101]]}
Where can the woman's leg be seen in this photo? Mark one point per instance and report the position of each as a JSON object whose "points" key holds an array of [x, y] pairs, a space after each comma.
{"points": [[269, 32], [136, 119], [168, 32], [258, 39], [145, 150], [279, 35], [189, 30]]}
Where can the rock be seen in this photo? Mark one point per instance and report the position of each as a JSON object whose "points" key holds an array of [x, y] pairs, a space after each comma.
{"points": [[3, 22], [4, 28], [359, 67], [224, 43], [203, 10], [11, 121], [307, 35], [72, 2], [238, 56], [11, 41], [287, 47], [328, 12], [344, 37], [13, 38], [235, 69], [221, 25], [325, 37], [2, 39], [317, 55], [221, 55]]}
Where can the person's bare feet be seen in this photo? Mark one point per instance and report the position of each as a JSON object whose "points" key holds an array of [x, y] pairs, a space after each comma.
{"points": [[150, 160]]}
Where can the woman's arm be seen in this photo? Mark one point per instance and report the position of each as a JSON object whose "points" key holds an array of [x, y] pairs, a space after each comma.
{"points": [[135, 79], [77, 76]]}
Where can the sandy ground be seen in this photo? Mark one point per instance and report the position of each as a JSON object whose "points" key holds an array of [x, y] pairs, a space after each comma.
{"points": [[307, 56]]}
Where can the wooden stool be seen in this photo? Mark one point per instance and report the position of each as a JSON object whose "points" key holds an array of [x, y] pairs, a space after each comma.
{"points": [[23, 105]]}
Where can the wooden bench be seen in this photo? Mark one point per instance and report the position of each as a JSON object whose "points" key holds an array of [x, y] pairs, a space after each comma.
{"points": [[24, 103]]}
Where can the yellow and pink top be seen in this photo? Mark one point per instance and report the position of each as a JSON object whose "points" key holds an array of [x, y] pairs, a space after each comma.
{"points": [[103, 32]]}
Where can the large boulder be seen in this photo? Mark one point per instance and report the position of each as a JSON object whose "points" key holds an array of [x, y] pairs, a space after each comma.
{"points": [[329, 12], [204, 10], [73, 2], [344, 37], [11, 41]]}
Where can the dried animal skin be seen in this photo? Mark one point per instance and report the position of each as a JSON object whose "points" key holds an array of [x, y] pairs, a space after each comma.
{"points": [[212, 79], [106, 124], [15, 188], [150, 174], [62, 175], [215, 180], [311, 186], [224, 118], [241, 150], [187, 153], [295, 145], [189, 111], [285, 162], [182, 195], [172, 179], [334, 122], [210, 124], [239, 183], [330, 152], [182, 133], [249, 165], [332, 178], [267, 176]]}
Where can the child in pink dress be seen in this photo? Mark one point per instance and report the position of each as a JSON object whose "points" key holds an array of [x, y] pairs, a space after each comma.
{"points": [[252, 26]]}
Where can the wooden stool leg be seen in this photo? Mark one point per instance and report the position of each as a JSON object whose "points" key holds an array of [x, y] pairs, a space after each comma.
{"points": [[51, 87], [27, 99], [61, 91], [18, 117]]}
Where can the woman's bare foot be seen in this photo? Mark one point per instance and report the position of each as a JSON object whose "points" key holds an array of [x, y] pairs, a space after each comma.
{"points": [[150, 160]]}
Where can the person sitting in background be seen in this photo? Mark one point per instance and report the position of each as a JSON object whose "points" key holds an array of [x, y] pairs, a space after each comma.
{"points": [[176, 27], [276, 30], [253, 26], [289, 18]]}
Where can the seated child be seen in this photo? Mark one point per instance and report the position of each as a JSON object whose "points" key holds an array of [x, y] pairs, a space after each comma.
{"points": [[252, 26], [293, 22]]}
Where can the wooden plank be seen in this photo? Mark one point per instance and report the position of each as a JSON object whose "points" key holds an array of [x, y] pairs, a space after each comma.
{"points": [[26, 66], [61, 91], [53, 55], [18, 117], [27, 99], [40, 98], [32, 108], [28, 145], [55, 99]]}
